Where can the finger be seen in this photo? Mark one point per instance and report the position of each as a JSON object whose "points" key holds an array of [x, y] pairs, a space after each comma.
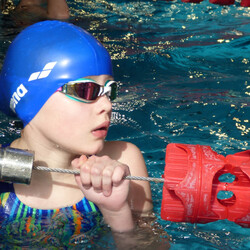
{"points": [[85, 173], [96, 176], [82, 163], [83, 159], [107, 181], [77, 162], [119, 173]]}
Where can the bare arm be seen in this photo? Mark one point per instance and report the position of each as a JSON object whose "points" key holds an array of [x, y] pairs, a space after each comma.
{"points": [[139, 198], [101, 181], [147, 233]]}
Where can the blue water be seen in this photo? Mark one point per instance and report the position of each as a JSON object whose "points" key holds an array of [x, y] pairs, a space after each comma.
{"points": [[184, 72]]}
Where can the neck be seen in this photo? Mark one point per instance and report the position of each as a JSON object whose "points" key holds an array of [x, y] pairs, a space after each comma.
{"points": [[45, 187], [46, 153]]}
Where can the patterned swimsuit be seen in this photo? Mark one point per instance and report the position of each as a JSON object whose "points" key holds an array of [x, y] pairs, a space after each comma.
{"points": [[20, 223]]}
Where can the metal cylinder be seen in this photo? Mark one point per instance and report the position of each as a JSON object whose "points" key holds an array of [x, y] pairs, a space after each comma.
{"points": [[16, 165]]}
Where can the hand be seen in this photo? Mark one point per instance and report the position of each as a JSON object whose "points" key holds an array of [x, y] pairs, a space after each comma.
{"points": [[101, 181]]}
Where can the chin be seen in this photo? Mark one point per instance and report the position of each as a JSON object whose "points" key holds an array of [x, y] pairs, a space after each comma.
{"points": [[94, 149]]}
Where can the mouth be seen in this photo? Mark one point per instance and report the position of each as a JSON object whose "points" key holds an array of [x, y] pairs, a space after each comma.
{"points": [[103, 126], [101, 131]]}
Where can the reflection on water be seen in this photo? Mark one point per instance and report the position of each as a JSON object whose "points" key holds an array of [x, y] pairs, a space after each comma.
{"points": [[184, 71]]}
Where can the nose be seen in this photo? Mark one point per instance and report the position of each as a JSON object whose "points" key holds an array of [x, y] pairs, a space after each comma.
{"points": [[104, 104]]}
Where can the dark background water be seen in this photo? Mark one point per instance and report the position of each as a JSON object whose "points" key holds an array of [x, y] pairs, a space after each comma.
{"points": [[184, 75]]}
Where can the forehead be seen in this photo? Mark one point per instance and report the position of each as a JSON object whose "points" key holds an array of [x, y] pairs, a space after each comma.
{"points": [[100, 79]]}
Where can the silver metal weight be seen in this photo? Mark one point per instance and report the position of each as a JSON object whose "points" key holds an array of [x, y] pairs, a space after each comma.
{"points": [[16, 165]]}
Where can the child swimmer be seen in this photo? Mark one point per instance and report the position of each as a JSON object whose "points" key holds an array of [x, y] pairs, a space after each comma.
{"points": [[58, 80]]}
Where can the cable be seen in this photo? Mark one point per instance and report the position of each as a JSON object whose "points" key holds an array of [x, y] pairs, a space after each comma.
{"points": [[68, 171]]}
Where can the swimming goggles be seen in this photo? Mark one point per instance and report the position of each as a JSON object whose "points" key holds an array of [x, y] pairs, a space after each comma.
{"points": [[87, 90]]}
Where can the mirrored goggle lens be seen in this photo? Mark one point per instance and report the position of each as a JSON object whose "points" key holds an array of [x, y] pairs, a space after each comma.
{"points": [[87, 90], [91, 90]]}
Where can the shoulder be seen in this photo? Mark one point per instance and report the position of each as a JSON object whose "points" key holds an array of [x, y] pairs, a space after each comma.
{"points": [[118, 150], [127, 153]]}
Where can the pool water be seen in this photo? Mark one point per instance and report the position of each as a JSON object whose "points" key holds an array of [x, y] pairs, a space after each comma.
{"points": [[184, 75]]}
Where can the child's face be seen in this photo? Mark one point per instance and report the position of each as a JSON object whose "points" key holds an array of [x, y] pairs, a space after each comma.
{"points": [[74, 126]]}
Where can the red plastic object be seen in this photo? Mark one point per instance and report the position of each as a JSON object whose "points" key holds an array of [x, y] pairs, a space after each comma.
{"points": [[192, 184], [245, 3], [222, 2]]}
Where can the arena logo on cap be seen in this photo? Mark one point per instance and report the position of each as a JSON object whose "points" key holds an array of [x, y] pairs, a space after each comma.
{"points": [[17, 95], [44, 73], [21, 91]]}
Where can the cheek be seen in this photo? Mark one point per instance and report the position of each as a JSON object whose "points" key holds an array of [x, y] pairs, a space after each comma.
{"points": [[68, 124], [64, 118]]}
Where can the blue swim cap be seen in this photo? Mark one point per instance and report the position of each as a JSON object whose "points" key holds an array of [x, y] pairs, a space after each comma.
{"points": [[42, 58]]}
